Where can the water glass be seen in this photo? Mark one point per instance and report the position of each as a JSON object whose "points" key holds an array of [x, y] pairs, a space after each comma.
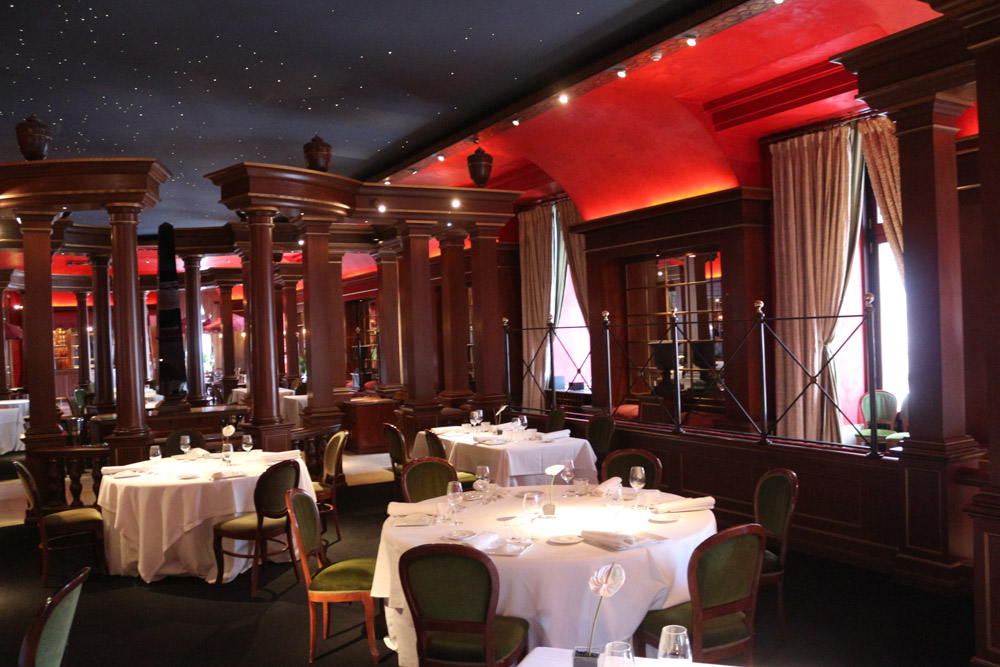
{"points": [[476, 418], [637, 480], [443, 511], [227, 453], [581, 486], [454, 491], [617, 654], [185, 444], [482, 480], [247, 443], [614, 500], [567, 474], [674, 644], [155, 454]]}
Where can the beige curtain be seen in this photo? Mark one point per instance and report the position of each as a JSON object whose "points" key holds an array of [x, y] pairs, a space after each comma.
{"points": [[568, 217], [536, 298], [814, 238], [881, 150]]}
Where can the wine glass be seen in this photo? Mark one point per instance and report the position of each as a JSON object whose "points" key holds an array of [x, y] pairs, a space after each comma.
{"points": [[674, 644], [637, 480], [185, 445], [532, 504], [482, 480], [454, 491], [613, 500], [227, 453], [476, 418], [567, 474], [155, 454], [618, 654], [247, 443]]}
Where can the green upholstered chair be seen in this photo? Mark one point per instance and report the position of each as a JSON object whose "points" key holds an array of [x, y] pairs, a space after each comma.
{"points": [[619, 463], [458, 629], [45, 641], [556, 420], [269, 520], [600, 428], [723, 577], [902, 425], [773, 507], [435, 448], [301, 389], [885, 415], [326, 487], [426, 477], [172, 445], [66, 526], [398, 453], [345, 581]]}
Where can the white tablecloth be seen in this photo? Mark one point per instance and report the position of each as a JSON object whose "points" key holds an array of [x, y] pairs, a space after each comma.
{"points": [[11, 428], [291, 408], [516, 463], [548, 584], [239, 395], [157, 524], [545, 656]]}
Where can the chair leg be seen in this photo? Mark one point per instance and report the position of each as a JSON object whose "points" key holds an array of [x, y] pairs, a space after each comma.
{"points": [[326, 620], [370, 625], [336, 517], [639, 646], [219, 558], [291, 552], [257, 554], [781, 605], [312, 630]]}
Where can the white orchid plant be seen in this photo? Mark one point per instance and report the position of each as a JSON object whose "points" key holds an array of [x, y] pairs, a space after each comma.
{"points": [[227, 432], [604, 583], [552, 471]]}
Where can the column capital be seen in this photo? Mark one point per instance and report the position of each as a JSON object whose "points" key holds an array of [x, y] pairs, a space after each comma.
{"points": [[257, 215], [939, 111], [387, 250], [100, 260], [123, 213], [451, 237], [193, 261], [312, 226], [483, 230], [36, 220], [415, 228]]}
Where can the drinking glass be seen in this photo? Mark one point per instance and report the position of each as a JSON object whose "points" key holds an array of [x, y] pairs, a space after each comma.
{"points": [[613, 500], [567, 474], [185, 445], [454, 492], [154, 454], [476, 418], [482, 481], [227, 453], [637, 480], [581, 486], [674, 644], [247, 443], [618, 654]]}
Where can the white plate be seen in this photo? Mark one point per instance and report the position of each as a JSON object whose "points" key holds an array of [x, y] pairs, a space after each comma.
{"points": [[189, 476], [565, 539], [414, 520], [460, 535], [663, 518]]}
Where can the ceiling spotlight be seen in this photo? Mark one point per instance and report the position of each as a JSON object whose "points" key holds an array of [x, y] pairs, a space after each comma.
{"points": [[302, 241], [447, 224], [440, 158], [414, 171], [621, 73], [778, 2], [690, 38], [515, 122], [655, 56], [564, 98], [455, 203], [387, 182], [379, 206]]}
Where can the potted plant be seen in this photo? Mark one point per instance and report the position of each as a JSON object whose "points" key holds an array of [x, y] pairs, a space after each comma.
{"points": [[604, 583]]}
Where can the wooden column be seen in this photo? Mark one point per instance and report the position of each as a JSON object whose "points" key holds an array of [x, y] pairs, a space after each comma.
{"points": [[279, 332], [83, 342], [390, 368], [131, 433], [454, 318], [104, 401], [269, 432], [4, 382], [421, 409], [317, 311], [44, 427], [192, 307], [229, 379], [338, 328], [487, 332], [291, 332]]}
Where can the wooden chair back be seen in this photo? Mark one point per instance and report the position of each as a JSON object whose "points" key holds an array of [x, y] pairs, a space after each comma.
{"points": [[45, 641]]}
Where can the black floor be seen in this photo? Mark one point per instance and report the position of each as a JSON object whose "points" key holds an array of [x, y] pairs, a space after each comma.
{"points": [[837, 615]]}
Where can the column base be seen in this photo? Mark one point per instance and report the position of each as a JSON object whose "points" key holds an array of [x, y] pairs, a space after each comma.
{"points": [[415, 417], [397, 391], [270, 437], [954, 449], [327, 416], [289, 380], [173, 404], [985, 512], [128, 448], [489, 404], [198, 400], [455, 398]]}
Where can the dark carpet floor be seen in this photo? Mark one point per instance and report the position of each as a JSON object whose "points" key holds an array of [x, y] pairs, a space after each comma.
{"points": [[837, 615]]}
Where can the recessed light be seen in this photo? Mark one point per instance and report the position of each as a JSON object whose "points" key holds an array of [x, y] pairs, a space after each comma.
{"points": [[564, 98], [440, 158], [515, 122], [387, 182], [691, 38], [621, 73], [655, 56], [455, 203], [302, 241]]}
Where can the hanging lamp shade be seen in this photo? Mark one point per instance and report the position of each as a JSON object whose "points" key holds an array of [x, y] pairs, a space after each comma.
{"points": [[480, 166]]}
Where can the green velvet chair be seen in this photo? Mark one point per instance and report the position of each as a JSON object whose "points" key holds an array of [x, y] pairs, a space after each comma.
{"points": [[773, 507], [459, 629], [426, 477], [435, 448], [600, 428], [398, 453], [45, 641], [326, 487], [885, 416], [344, 581], [556, 420], [723, 578], [172, 445], [268, 521], [62, 530], [619, 463]]}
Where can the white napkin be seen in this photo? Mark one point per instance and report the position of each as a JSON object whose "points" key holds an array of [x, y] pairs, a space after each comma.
{"points": [[225, 474], [132, 467], [198, 452], [274, 457], [483, 540], [607, 539], [489, 437], [610, 483], [441, 430], [555, 435], [407, 509], [125, 474], [685, 505]]}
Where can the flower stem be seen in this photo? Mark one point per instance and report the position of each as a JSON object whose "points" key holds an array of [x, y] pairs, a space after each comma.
{"points": [[593, 627]]}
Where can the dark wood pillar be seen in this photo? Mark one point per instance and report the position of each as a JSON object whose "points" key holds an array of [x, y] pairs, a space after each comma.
{"points": [[104, 401], [421, 408], [44, 428], [83, 341], [269, 432], [279, 332], [454, 318], [291, 332], [131, 433], [317, 311], [246, 337], [390, 368], [229, 379], [4, 382], [487, 331], [192, 307], [338, 328]]}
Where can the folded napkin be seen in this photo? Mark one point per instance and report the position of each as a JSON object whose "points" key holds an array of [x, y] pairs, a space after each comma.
{"points": [[609, 540], [225, 474], [610, 483], [483, 540], [198, 452], [488, 437], [132, 467], [441, 430], [407, 509], [685, 505], [274, 457], [125, 474], [555, 435]]}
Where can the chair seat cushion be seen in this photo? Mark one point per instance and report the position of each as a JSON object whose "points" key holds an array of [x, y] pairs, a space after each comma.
{"points": [[245, 527], [82, 518], [460, 647], [322, 489], [771, 564], [717, 631], [347, 575], [882, 433], [466, 477]]}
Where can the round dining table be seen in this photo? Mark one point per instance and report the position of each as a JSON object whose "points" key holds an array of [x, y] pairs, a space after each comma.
{"points": [[158, 518], [548, 582]]}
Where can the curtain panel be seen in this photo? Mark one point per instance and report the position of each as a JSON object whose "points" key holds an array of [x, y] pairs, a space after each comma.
{"points": [[568, 217], [881, 150], [536, 299]]}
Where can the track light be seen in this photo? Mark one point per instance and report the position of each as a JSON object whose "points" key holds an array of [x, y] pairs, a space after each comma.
{"points": [[655, 56], [621, 72], [440, 158], [691, 38], [387, 182], [515, 122]]}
